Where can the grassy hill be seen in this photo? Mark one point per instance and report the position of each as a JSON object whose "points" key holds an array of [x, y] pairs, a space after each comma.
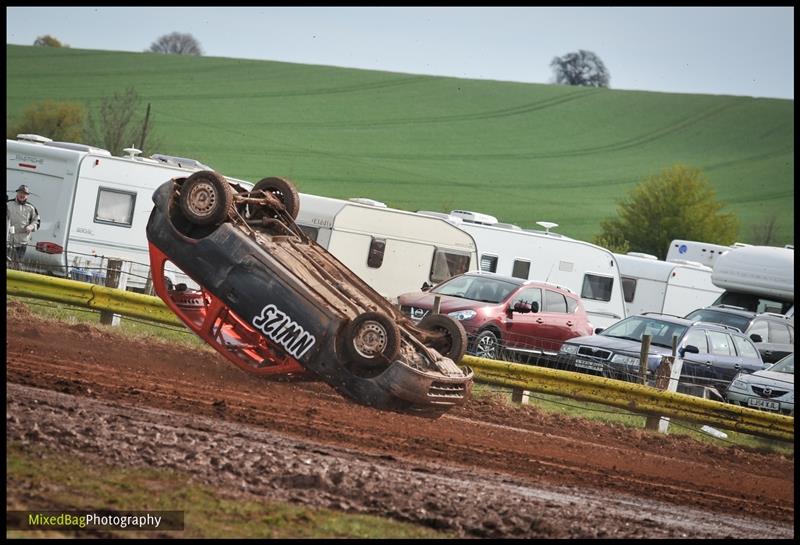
{"points": [[521, 152]]}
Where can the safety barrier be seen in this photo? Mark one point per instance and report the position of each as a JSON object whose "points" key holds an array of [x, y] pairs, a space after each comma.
{"points": [[92, 296], [633, 397], [625, 395]]}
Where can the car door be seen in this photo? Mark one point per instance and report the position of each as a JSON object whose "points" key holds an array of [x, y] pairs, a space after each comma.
{"points": [[696, 367], [749, 358], [525, 330], [725, 362]]}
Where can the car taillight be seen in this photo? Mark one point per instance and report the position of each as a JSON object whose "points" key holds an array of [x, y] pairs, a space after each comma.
{"points": [[49, 248]]}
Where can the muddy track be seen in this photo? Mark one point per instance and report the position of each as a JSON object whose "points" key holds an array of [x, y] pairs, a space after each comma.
{"points": [[516, 445]]}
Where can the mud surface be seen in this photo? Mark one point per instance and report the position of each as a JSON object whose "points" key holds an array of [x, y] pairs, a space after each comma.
{"points": [[484, 470]]}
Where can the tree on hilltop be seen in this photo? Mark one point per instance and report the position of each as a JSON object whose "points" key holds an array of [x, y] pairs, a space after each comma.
{"points": [[582, 68], [176, 43], [48, 41]]}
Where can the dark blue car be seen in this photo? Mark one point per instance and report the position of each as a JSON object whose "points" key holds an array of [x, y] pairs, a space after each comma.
{"points": [[713, 354]]}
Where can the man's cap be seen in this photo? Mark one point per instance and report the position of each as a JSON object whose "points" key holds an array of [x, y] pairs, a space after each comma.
{"points": [[25, 189]]}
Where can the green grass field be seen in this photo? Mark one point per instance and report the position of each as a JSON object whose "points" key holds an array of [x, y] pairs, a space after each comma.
{"points": [[521, 152]]}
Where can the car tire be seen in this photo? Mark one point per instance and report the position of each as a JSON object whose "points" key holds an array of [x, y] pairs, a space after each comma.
{"points": [[453, 341], [372, 340], [206, 198], [284, 190], [487, 345]]}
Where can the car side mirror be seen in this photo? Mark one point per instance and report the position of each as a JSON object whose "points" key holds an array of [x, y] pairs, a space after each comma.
{"points": [[426, 286], [756, 338], [522, 307], [599, 330], [690, 349]]}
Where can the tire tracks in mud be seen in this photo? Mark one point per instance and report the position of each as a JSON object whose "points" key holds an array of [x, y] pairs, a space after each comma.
{"points": [[324, 416]]}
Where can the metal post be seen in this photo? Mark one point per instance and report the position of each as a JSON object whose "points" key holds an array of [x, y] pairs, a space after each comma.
{"points": [[113, 273]]}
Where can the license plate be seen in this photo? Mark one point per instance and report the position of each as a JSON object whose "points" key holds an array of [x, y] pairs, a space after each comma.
{"points": [[585, 364], [763, 404]]}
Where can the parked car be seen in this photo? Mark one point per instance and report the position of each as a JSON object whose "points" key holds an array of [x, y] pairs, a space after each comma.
{"points": [[505, 314], [274, 301], [712, 353], [771, 389], [772, 333]]}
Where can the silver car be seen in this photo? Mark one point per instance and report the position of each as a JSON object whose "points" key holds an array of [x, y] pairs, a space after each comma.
{"points": [[771, 389]]}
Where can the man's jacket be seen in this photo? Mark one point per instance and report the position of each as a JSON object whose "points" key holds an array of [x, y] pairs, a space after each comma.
{"points": [[18, 216]]}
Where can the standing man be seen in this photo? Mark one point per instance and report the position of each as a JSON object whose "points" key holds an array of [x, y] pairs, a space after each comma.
{"points": [[22, 219]]}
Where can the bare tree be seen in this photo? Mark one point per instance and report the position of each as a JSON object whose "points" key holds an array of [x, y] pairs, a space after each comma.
{"points": [[117, 124], [176, 43], [764, 232], [582, 68]]}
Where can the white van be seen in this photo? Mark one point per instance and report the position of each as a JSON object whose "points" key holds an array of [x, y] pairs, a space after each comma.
{"points": [[93, 206], [582, 267], [394, 251], [652, 285]]}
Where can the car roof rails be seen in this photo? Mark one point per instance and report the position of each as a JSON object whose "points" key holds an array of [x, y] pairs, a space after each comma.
{"points": [[734, 307], [723, 326], [777, 315], [662, 314]]}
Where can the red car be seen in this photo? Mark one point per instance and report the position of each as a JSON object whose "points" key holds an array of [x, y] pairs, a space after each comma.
{"points": [[503, 315]]}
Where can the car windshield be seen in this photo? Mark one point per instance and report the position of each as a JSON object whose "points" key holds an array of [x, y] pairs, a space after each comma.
{"points": [[635, 327], [717, 317], [786, 365], [476, 288]]}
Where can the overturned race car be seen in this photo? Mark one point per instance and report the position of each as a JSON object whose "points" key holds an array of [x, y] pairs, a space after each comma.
{"points": [[272, 301]]}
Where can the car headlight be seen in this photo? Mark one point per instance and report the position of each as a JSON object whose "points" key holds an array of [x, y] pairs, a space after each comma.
{"points": [[462, 314], [569, 349], [737, 385], [625, 360]]}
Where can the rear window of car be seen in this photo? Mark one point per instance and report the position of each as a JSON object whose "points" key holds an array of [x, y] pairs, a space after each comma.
{"points": [[554, 302], [717, 317], [720, 343], [779, 333]]}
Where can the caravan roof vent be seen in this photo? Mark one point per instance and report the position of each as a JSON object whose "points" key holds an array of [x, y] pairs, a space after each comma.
{"points": [[642, 255], [132, 152], [474, 217], [181, 162], [34, 138], [547, 226], [368, 202], [442, 215]]}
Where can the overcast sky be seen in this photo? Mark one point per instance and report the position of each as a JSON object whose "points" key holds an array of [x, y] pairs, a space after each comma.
{"points": [[745, 51]]}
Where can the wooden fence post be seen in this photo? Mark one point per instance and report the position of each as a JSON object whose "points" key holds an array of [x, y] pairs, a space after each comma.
{"points": [[643, 358], [664, 381], [113, 273]]}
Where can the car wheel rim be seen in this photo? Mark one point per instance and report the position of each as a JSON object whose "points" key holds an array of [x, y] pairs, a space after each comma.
{"points": [[202, 199], [370, 340], [487, 347]]}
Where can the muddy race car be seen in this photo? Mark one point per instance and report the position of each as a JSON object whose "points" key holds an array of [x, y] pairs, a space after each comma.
{"points": [[272, 301]]}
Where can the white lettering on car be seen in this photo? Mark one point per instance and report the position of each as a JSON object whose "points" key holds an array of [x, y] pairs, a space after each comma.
{"points": [[288, 333]]}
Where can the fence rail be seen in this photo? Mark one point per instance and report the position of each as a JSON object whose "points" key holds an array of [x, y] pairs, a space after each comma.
{"points": [[626, 395]]}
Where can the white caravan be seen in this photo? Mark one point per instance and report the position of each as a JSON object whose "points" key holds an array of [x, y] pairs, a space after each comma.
{"points": [[758, 278], [394, 251], [704, 253], [93, 206], [584, 268], [652, 285]]}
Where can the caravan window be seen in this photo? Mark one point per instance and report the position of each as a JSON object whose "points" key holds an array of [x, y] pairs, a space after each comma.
{"points": [[446, 264], [114, 207], [376, 249], [597, 288], [521, 269], [489, 263], [628, 288]]}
